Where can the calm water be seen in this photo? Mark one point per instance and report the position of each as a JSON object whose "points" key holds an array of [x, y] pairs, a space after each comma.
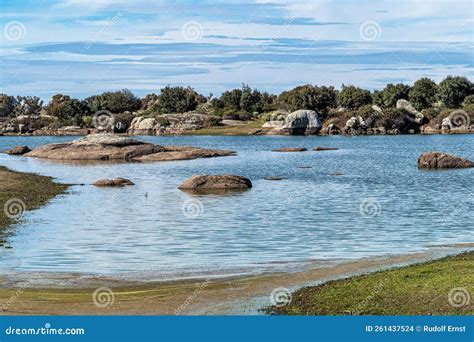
{"points": [[381, 204]]}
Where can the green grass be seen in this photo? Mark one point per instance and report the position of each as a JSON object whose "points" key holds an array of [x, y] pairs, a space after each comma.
{"points": [[420, 289], [250, 127], [28, 190]]}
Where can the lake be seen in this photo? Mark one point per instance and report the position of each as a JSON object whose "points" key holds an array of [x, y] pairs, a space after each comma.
{"points": [[367, 198]]}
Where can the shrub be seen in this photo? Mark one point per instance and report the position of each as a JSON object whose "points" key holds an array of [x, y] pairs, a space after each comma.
{"points": [[468, 101], [7, 105], [27, 105], [178, 99], [453, 90], [423, 93], [115, 102], [319, 99], [352, 97], [67, 110], [394, 92], [243, 101]]}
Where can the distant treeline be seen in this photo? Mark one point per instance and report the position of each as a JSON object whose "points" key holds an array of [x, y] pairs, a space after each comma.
{"points": [[245, 102]]}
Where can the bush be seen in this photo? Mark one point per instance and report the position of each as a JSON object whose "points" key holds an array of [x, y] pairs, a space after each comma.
{"points": [[244, 101], [392, 93], [69, 111], [453, 90], [353, 97], [319, 99], [27, 105], [423, 93], [115, 102], [178, 99], [7, 105], [468, 101]]}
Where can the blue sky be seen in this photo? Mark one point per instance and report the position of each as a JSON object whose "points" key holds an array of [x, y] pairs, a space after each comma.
{"points": [[83, 47]]}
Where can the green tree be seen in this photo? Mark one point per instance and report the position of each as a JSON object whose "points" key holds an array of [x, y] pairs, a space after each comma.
{"points": [[394, 92], [27, 105], [66, 109], [116, 101], [319, 99], [352, 97], [7, 105], [178, 99], [453, 90], [423, 93]]}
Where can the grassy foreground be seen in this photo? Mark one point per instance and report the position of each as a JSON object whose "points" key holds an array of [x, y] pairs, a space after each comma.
{"points": [[24, 191], [441, 287]]}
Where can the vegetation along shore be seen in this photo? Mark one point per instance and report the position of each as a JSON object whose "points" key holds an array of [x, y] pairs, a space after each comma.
{"points": [[424, 107]]}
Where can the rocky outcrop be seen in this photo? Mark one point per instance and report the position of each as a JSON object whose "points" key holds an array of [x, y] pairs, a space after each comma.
{"points": [[172, 123], [290, 149], [18, 150], [441, 160], [109, 147], [210, 183], [301, 122], [407, 106], [119, 181]]}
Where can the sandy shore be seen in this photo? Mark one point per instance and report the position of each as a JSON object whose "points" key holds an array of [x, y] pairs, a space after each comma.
{"points": [[74, 294]]}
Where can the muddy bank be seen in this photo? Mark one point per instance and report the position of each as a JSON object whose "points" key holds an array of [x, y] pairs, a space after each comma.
{"points": [[79, 294]]}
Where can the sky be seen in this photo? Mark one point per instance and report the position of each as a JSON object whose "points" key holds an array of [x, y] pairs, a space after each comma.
{"points": [[84, 47]]}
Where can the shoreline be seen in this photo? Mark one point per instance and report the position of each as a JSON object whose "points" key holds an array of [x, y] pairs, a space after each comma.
{"points": [[227, 295]]}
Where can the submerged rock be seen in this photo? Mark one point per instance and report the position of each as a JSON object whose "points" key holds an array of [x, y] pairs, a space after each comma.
{"points": [[441, 160], [103, 147], [18, 150], [319, 148], [290, 149], [206, 183], [119, 181]]}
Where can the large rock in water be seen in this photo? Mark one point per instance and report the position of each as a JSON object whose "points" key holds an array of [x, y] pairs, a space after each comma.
{"points": [[115, 148], [301, 122], [119, 181], [210, 183], [441, 160], [18, 150]]}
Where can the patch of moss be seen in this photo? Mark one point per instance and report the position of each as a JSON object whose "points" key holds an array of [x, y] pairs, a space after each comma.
{"points": [[433, 288]]}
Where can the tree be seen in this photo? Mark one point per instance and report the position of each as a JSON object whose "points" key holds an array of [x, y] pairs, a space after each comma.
{"points": [[423, 93], [352, 97], [66, 109], [231, 99], [178, 99], [7, 105], [116, 102], [311, 97], [27, 105], [394, 92], [453, 90]]}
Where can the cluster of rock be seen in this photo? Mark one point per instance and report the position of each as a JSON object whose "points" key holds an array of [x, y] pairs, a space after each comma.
{"points": [[171, 123], [110, 147]]}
